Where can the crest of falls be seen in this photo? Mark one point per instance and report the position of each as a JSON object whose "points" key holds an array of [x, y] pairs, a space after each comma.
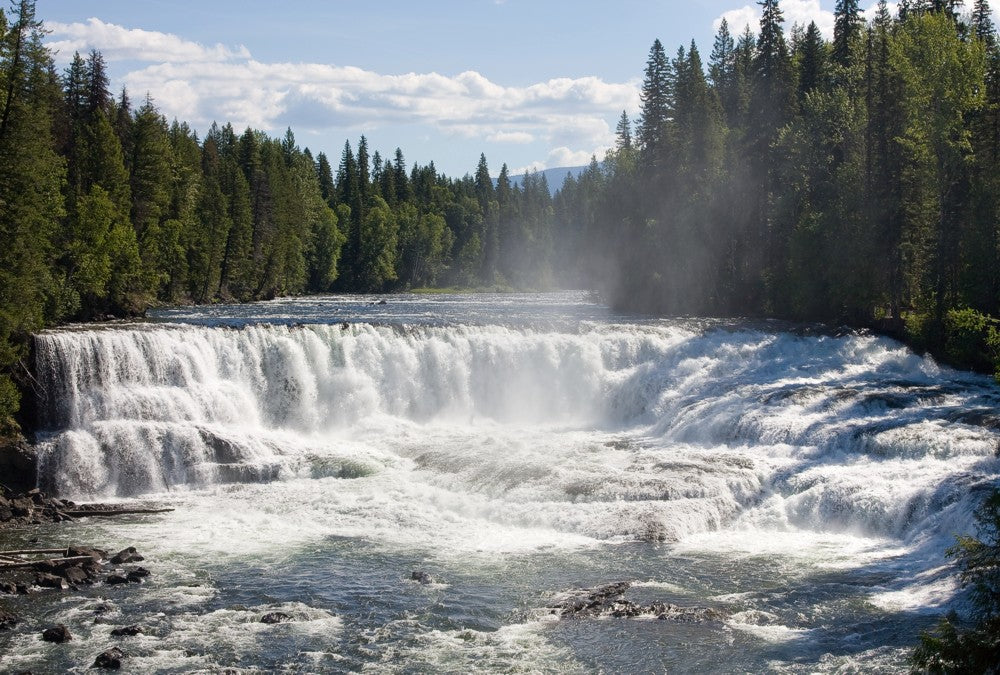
{"points": [[606, 431]]}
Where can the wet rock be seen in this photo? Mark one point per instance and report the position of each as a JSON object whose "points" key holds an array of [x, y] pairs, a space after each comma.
{"points": [[75, 576], [137, 575], [8, 587], [18, 464], [116, 578], [127, 555], [421, 577], [46, 580], [57, 634], [8, 620], [76, 551], [275, 617], [103, 608], [608, 601], [127, 631], [111, 659]]}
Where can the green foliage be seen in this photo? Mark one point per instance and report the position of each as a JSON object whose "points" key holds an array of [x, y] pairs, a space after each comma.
{"points": [[951, 647]]}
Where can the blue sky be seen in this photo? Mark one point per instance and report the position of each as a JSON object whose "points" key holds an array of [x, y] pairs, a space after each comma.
{"points": [[532, 83]]}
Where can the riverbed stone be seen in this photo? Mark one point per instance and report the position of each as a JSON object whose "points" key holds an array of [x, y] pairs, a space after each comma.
{"points": [[127, 555], [137, 575], [421, 577], [75, 575], [116, 578], [110, 659], [127, 631], [275, 617], [58, 634], [46, 580], [8, 620]]}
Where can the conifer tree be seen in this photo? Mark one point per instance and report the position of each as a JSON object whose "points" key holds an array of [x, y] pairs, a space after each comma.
{"points": [[657, 104]]}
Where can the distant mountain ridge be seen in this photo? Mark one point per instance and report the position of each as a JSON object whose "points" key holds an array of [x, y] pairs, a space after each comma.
{"points": [[554, 177]]}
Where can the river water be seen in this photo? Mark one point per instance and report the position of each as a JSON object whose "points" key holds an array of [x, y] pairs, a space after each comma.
{"points": [[319, 451]]}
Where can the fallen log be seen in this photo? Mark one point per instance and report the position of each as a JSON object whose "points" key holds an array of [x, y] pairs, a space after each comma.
{"points": [[34, 551], [31, 563], [115, 512]]}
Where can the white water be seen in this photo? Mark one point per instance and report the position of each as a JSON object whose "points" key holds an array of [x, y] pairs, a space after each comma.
{"points": [[749, 452]]}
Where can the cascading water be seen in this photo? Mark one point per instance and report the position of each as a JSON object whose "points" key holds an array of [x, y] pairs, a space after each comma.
{"points": [[556, 439]]}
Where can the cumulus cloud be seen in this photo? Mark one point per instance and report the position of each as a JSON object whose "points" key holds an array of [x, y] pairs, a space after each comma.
{"points": [[201, 84], [800, 12], [134, 44]]}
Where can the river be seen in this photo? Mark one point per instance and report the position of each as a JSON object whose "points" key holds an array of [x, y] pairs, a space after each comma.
{"points": [[317, 452]]}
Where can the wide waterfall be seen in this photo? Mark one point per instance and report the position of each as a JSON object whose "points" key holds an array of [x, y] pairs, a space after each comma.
{"points": [[602, 447]]}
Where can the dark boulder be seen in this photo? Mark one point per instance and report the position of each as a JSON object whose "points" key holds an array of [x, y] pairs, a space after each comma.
{"points": [[116, 578], [127, 555], [77, 551], [46, 580], [127, 631], [57, 634], [421, 577], [275, 617], [137, 575], [75, 575], [111, 659], [7, 620], [18, 464]]}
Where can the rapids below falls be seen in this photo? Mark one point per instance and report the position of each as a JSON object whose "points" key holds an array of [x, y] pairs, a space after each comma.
{"points": [[803, 483]]}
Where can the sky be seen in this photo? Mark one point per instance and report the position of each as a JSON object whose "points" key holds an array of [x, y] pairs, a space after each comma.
{"points": [[534, 84]]}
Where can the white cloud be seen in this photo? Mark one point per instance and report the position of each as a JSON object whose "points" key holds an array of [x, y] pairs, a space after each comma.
{"points": [[118, 43], [510, 137], [795, 12], [203, 84]]}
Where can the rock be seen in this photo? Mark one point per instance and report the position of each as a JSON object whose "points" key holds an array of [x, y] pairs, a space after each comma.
{"points": [[127, 631], [116, 578], [607, 601], [57, 634], [46, 580], [8, 587], [111, 659], [77, 551], [275, 617], [21, 508], [7, 620], [127, 555], [421, 577], [75, 576], [18, 464], [137, 575], [103, 608]]}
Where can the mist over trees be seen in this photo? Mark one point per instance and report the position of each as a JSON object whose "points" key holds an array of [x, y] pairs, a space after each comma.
{"points": [[853, 181]]}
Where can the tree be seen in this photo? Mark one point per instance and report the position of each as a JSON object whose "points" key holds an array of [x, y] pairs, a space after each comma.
{"points": [[657, 103], [950, 648], [847, 27]]}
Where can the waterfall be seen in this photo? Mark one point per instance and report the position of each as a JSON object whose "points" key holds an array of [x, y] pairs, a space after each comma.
{"points": [[651, 430]]}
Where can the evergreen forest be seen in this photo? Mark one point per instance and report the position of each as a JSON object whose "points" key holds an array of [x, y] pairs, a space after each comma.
{"points": [[853, 181]]}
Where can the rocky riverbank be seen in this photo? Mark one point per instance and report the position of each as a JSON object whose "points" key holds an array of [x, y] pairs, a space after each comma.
{"points": [[27, 571]]}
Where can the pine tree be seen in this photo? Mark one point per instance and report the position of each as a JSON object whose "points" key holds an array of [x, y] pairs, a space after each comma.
{"points": [[812, 62], [623, 133], [846, 30], [657, 103]]}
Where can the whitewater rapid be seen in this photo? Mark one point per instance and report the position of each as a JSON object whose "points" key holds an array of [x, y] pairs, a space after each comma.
{"points": [[645, 431]]}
